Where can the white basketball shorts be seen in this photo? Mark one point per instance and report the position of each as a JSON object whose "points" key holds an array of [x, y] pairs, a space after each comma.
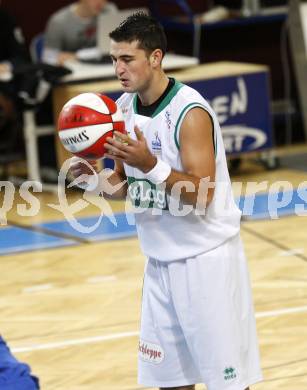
{"points": [[197, 322]]}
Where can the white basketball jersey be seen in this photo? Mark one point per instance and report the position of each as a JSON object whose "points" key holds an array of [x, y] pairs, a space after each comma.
{"points": [[170, 230]]}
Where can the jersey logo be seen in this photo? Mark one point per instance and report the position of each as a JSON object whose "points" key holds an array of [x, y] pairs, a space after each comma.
{"points": [[156, 144], [168, 119], [229, 373], [146, 195], [151, 353]]}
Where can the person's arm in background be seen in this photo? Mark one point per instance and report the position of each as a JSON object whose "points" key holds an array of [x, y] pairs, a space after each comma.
{"points": [[52, 52]]}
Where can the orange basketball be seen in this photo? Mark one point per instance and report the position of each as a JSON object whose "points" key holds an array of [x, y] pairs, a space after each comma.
{"points": [[86, 121]]}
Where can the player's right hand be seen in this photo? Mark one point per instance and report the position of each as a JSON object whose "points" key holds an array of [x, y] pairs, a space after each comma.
{"points": [[82, 173], [79, 166]]}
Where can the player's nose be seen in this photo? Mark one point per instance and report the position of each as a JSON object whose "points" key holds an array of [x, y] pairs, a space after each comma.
{"points": [[119, 68]]}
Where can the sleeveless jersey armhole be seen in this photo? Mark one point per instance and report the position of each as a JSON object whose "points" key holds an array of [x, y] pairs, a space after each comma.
{"points": [[181, 117]]}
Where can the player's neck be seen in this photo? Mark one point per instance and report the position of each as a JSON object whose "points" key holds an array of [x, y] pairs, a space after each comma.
{"points": [[156, 88]]}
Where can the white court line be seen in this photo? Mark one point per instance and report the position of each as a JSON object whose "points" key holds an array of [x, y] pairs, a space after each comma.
{"points": [[87, 340], [291, 252], [276, 313], [101, 279], [37, 288], [114, 336]]}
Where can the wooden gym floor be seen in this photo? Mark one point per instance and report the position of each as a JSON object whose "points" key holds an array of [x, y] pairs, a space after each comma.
{"points": [[72, 312]]}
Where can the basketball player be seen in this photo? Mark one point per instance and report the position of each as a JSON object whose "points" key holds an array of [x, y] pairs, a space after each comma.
{"points": [[197, 320]]}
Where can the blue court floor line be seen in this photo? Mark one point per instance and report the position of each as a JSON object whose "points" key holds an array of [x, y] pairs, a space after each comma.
{"points": [[16, 240], [265, 205], [257, 209], [104, 231], [30, 248]]}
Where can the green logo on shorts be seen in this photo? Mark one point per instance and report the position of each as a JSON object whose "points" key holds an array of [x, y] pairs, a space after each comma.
{"points": [[229, 373]]}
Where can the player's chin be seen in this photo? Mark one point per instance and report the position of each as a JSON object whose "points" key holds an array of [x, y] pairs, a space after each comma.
{"points": [[128, 88]]}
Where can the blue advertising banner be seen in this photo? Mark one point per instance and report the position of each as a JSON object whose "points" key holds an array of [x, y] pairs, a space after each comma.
{"points": [[242, 104]]}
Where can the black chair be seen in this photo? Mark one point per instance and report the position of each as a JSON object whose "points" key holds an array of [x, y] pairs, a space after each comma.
{"points": [[10, 149]]}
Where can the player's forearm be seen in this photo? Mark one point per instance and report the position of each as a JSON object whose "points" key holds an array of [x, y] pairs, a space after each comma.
{"points": [[113, 184], [190, 189], [186, 187]]}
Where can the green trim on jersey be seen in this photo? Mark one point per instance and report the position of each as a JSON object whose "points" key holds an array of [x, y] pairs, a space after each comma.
{"points": [[164, 102], [180, 120]]}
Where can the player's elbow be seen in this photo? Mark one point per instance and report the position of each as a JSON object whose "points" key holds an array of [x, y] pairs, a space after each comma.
{"points": [[205, 192]]}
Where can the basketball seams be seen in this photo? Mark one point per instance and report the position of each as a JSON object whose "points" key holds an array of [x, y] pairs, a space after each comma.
{"points": [[93, 131], [79, 116], [111, 105], [86, 121], [95, 101]]}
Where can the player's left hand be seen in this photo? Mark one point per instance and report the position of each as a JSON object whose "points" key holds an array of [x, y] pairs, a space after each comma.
{"points": [[132, 152]]}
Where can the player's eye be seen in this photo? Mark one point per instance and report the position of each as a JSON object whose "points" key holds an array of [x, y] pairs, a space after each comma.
{"points": [[126, 60]]}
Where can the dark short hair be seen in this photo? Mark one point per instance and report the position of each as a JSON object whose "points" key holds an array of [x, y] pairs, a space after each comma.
{"points": [[142, 28]]}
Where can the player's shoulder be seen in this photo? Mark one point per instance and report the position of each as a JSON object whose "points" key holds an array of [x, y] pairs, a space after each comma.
{"points": [[188, 94], [187, 98]]}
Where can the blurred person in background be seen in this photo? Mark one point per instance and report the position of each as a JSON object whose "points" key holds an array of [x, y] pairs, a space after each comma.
{"points": [[73, 28]]}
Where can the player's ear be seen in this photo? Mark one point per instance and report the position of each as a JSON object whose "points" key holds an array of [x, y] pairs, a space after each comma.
{"points": [[156, 58]]}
